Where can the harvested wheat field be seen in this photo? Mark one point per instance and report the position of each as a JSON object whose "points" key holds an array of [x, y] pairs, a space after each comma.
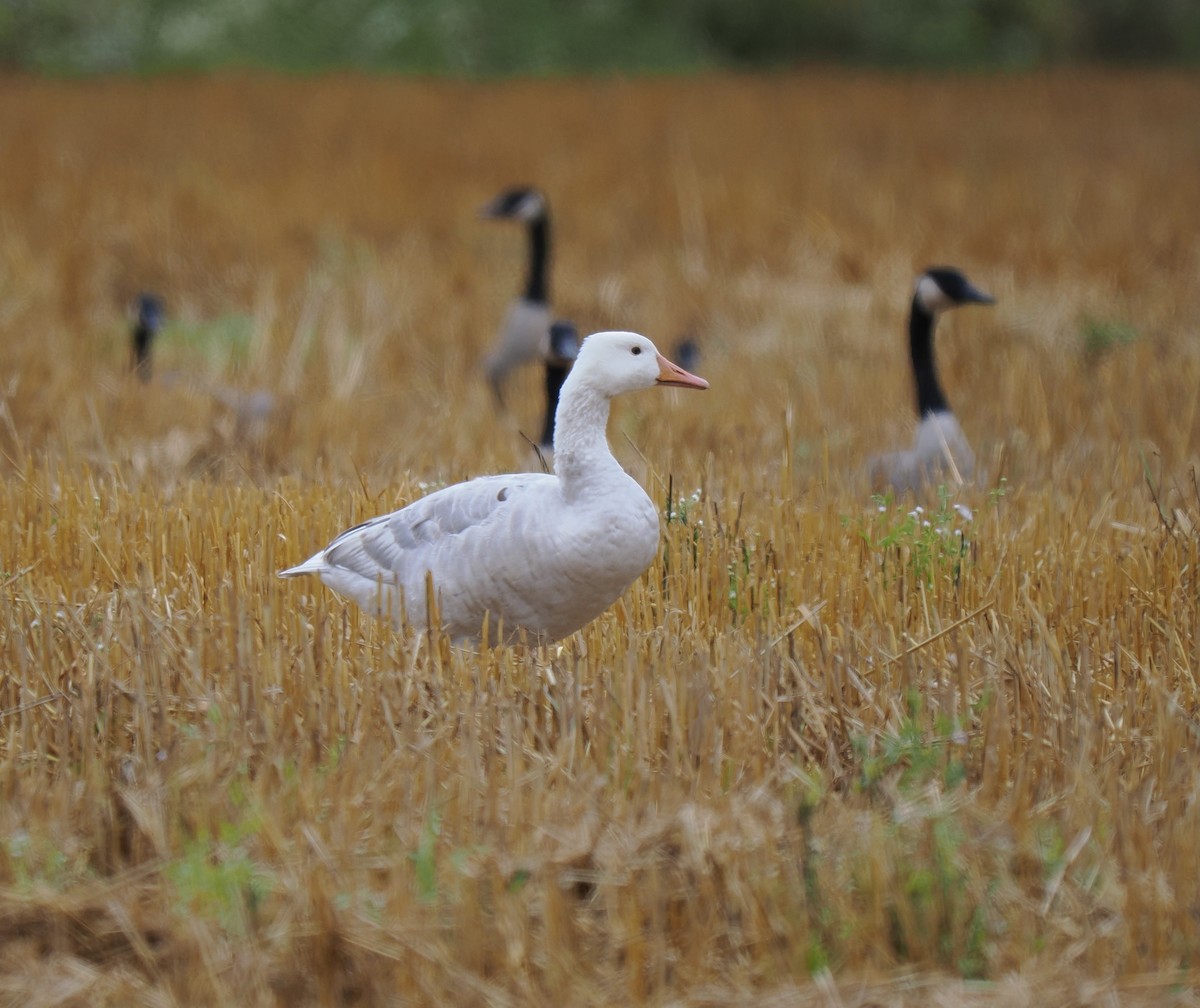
{"points": [[828, 750]]}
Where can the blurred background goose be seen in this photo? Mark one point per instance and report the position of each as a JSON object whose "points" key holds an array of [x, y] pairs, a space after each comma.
{"points": [[148, 320], [536, 553], [564, 349], [251, 410], [687, 352], [941, 451], [525, 330]]}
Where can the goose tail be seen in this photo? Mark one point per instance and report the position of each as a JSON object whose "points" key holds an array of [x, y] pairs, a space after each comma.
{"points": [[313, 565]]}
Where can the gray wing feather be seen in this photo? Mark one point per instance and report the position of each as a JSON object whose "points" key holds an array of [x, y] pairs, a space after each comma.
{"points": [[389, 545]]}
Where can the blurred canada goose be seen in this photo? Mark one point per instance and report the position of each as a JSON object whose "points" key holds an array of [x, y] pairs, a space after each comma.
{"points": [[524, 332], [250, 409], [538, 553], [564, 348], [148, 319], [687, 353], [941, 450]]}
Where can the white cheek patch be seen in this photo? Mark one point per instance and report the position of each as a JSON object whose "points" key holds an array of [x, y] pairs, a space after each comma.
{"points": [[931, 296], [530, 208]]}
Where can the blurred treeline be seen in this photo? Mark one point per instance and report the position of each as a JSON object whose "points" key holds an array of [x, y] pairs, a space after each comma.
{"points": [[502, 37]]}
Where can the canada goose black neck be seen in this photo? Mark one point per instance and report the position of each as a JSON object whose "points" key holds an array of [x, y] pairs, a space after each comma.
{"points": [[930, 397], [149, 321], [556, 374], [142, 337], [537, 289], [564, 348]]}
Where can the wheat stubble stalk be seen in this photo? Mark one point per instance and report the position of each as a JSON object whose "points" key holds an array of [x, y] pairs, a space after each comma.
{"points": [[813, 735]]}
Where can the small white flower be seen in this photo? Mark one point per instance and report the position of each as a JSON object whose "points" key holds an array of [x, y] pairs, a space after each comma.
{"points": [[965, 511]]}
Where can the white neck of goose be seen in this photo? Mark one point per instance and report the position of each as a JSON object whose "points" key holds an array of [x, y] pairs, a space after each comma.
{"points": [[582, 457]]}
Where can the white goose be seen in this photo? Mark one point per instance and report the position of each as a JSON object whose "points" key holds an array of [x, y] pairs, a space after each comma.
{"points": [[537, 552], [941, 449]]}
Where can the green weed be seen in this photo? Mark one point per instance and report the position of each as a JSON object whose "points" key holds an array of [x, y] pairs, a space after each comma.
{"points": [[1099, 337], [217, 878]]}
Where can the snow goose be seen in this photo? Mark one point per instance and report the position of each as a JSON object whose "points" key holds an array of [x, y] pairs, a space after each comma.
{"points": [[526, 326], [538, 553], [941, 450]]}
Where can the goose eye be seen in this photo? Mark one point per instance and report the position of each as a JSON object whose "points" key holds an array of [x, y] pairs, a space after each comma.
{"points": [[637, 350]]}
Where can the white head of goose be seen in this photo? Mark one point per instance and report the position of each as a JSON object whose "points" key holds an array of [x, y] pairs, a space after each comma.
{"points": [[523, 333], [538, 554], [941, 450]]}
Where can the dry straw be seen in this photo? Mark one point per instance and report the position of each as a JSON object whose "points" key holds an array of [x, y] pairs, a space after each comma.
{"points": [[827, 751]]}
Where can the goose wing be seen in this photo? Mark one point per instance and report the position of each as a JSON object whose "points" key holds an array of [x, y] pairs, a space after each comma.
{"points": [[395, 543]]}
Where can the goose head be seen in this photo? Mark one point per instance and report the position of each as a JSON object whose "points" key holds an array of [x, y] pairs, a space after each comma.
{"points": [[687, 353], [942, 287], [150, 311], [518, 203], [612, 363], [564, 344]]}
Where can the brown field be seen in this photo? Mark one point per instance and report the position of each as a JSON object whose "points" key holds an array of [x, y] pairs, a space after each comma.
{"points": [[819, 754]]}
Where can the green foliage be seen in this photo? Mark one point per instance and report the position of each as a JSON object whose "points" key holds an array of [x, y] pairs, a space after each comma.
{"points": [[486, 38], [463, 37], [1051, 845], [933, 901], [909, 755], [1099, 336], [739, 584], [28, 863], [945, 33], [225, 338], [816, 958], [217, 878], [680, 509], [424, 858], [925, 544]]}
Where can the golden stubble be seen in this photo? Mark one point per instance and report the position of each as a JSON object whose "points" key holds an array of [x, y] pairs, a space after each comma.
{"points": [[814, 734]]}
